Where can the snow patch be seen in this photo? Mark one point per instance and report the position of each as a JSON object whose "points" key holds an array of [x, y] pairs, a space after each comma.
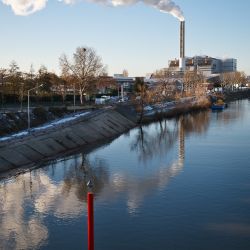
{"points": [[44, 127]]}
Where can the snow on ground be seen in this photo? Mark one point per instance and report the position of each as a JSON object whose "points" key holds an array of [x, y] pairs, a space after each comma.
{"points": [[44, 127]]}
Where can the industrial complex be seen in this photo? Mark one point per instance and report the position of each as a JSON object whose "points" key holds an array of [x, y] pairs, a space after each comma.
{"points": [[206, 65]]}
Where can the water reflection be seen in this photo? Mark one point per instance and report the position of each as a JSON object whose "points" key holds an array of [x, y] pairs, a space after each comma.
{"points": [[148, 143], [59, 189], [237, 110], [196, 123], [18, 230], [76, 179], [232, 229]]}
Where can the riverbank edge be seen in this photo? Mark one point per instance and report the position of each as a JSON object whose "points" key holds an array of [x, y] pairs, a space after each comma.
{"points": [[117, 121], [94, 130], [18, 155], [240, 94], [180, 109]]}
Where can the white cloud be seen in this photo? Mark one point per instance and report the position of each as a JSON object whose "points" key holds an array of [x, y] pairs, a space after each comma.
{"points": [[25, 7]]}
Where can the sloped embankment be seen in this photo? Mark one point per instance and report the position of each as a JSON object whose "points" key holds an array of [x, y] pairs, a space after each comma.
{"points": [[97, 127], [13, 122]]}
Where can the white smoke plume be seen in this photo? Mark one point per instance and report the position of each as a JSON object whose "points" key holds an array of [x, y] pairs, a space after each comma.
{"points": [[26, 7], [167, 6]]}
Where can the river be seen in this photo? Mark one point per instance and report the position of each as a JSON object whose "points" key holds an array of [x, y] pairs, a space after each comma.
{"points": [[177, 184]]}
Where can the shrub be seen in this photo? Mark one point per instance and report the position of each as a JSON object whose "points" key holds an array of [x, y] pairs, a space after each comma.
{"points": [[40, 113], [58, 112]]}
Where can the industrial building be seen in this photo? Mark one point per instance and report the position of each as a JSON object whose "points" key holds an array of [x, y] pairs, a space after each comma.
{"points": [[205, 64]]}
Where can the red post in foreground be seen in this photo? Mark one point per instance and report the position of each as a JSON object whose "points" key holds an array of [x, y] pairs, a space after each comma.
{"points": [[90, 221]]}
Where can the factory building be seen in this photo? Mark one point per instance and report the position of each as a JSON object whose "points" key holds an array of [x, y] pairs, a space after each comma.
{"points": [[205, 64]]}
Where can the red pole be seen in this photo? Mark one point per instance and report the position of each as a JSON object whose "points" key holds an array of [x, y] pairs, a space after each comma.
{"points": [[90, 221]]}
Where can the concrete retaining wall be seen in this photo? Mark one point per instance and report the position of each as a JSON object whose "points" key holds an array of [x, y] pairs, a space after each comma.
{"points": [[39, 146]]}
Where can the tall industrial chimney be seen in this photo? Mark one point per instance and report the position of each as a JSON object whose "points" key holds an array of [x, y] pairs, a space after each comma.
{"points": [[182, 61]]}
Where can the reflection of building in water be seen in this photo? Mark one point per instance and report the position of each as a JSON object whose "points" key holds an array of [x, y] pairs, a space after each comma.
{"points": [[60, 188], [181, 142], [155, 143], [176, 167]]}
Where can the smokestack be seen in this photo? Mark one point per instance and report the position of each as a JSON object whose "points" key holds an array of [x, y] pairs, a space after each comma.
{"points": [[182, 61], [182, 39]]}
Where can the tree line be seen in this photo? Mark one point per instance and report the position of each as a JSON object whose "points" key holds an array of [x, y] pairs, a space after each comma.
{"points": [[82, 74], [193, 82]]}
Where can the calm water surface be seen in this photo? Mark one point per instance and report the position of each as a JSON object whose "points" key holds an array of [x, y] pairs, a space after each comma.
{"points": [[179, 184]]}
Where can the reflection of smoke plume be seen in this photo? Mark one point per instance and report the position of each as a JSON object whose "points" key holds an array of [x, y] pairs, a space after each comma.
{"points": [[26, 7]]}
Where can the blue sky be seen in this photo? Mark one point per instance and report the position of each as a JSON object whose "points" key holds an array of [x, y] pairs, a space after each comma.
{"points": [[138, 38]]}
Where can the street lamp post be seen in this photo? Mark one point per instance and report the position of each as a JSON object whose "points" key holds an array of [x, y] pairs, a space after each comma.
{"points": [[28, 111]]}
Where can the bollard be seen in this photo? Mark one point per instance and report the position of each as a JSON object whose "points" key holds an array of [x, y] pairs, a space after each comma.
{"points": [[90, 221]]}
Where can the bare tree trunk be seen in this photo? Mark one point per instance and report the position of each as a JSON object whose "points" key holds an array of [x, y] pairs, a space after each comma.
{"points": [[81, 95]]}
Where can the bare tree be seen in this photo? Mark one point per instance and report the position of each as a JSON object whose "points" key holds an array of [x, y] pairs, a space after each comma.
{"points": [[106, 84], [62, 86], [14, 78], [230, 80], [3, 76], [227, 80], [192, 82], [165, 88], [29, 79], [86, 67], [144, 96], [163, 73], [240, 78]]}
